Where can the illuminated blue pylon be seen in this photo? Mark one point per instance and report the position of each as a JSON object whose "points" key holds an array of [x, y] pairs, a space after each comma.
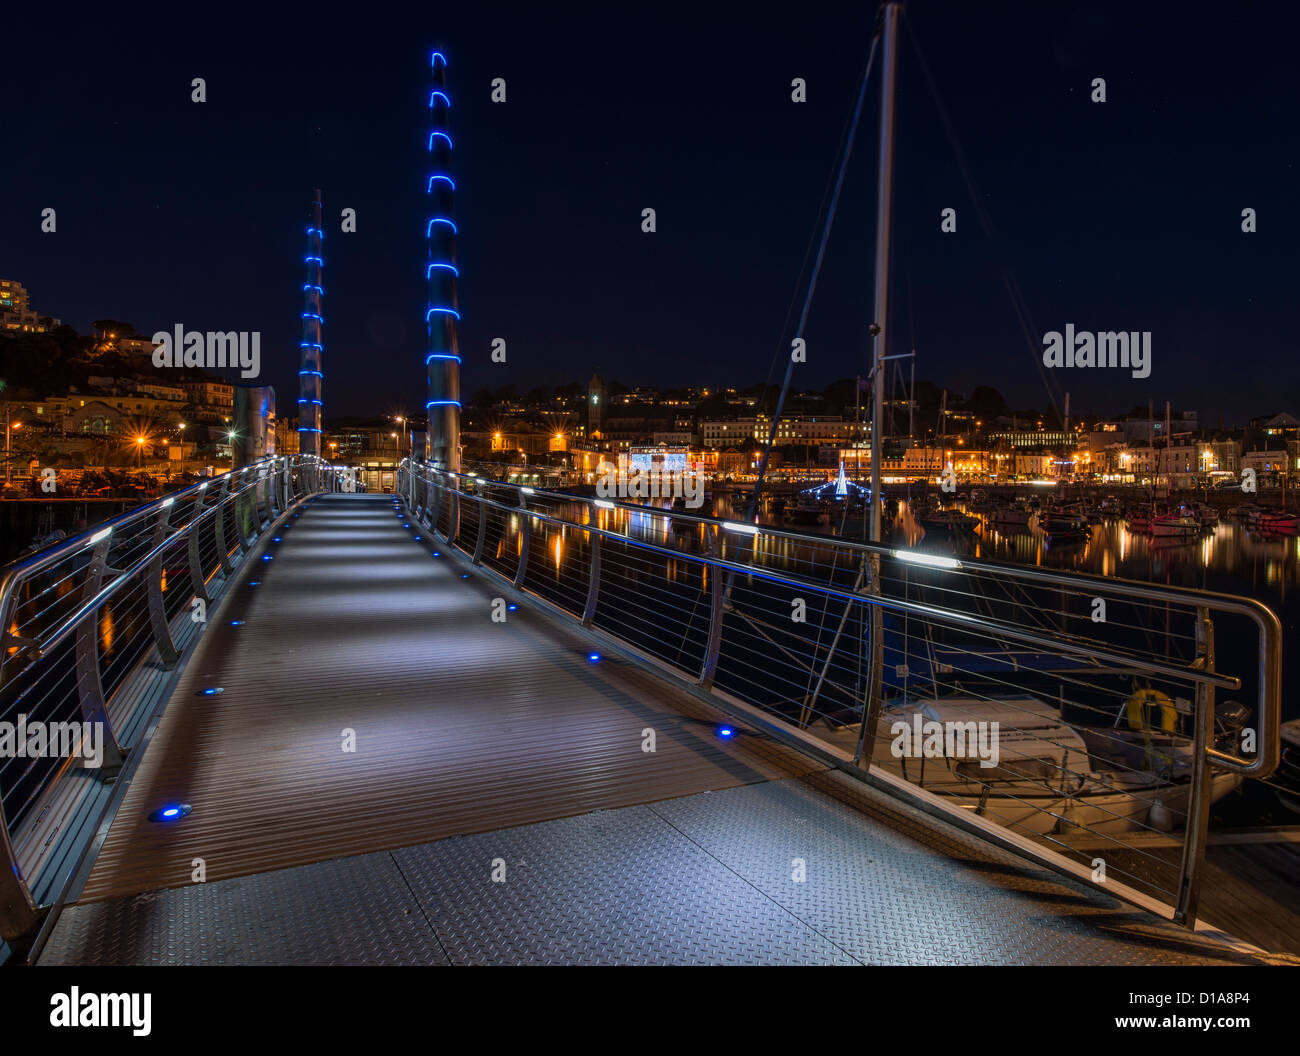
{"points": [[311, 378], [442, 309]]}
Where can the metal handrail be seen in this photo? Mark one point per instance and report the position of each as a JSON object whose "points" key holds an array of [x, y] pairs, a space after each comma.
{"points": [[1268, 702], [995, 628], [42, 646], [1199, 675], [281, 480]]}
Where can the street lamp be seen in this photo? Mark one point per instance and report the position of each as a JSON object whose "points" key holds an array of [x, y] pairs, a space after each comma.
{"points": [[9, 427]]}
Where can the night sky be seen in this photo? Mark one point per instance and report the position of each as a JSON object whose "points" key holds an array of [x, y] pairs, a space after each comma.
{"points": [[1123, 215]]}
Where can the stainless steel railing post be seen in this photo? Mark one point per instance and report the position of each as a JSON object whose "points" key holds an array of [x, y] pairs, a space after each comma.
{"points": [[709, 666], [219, 527], [1198, 804], [19, 915], [162, 635], [875, 672], [240, 511], [90, 687], [481, 536], [198, 581], [526, 532], [593, 582], [265, 484]]}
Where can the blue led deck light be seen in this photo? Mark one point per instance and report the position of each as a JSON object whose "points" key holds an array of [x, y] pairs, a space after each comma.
{"points": [[594, 657], [237, 623], [512, 607], [211, 691], [171, 812], [726, 732]]}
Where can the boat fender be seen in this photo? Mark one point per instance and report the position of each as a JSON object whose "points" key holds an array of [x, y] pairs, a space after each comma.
{"points": [[1159, 817]]}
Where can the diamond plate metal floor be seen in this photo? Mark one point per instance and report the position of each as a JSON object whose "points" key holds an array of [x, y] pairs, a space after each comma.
{"points": [[701, 879]]}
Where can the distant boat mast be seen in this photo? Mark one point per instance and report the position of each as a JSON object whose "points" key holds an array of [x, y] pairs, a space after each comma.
{"points": [[884, 203]]}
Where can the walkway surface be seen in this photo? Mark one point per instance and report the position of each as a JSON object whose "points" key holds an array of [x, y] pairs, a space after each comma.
{"points": [[498, 806]]}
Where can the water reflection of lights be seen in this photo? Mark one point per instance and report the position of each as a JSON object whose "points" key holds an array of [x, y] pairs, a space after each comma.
{"points": [[106, 629]]}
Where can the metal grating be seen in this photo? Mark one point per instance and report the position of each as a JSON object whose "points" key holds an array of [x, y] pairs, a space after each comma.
{"points": [[703, 879]]}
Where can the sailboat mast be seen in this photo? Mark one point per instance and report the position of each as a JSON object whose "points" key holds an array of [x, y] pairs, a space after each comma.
{"points": [[885, 191], [884, 203], [1169, 464], [911, 398]]}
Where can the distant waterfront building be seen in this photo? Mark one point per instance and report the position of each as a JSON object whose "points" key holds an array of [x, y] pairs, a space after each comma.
{"points": [[801, 431], [16, 312], [1284, 426], [722, 434], [1027, 438], [1151, 429], [1270, 462], [212, 402], [286, 436]]}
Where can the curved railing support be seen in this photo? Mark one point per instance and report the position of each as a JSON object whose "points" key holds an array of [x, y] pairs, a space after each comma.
{"points": [[90, 688], [593, 581], [162, 634], [717, 594], [219, 528]]}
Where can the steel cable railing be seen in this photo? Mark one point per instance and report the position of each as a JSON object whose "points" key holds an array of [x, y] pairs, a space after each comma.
{"points": [[92, 627], [1096, 696]]}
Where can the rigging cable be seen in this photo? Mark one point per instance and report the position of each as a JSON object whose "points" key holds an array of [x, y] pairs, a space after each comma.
{"points": [[812, 282], [1008, 277]]}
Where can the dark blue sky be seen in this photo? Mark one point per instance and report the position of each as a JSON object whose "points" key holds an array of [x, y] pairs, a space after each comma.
{"points": [[1123, 215]]}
